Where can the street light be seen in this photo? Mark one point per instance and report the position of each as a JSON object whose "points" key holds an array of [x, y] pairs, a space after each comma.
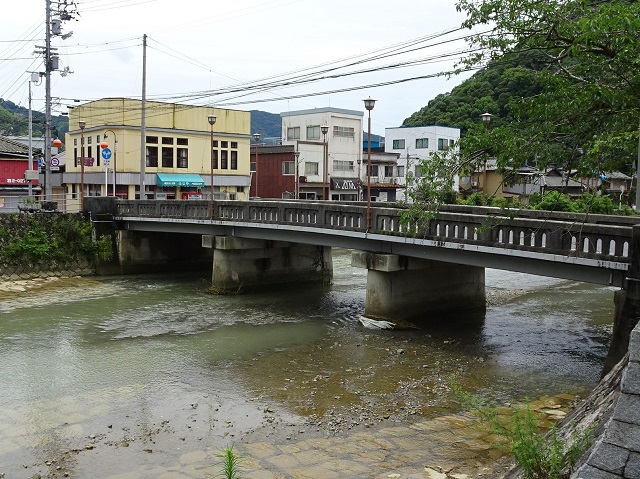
{"points": [[82, 125], [296, 189], [256, 137], [325, 161], [212, 121], [359, 179], [115, 153], [486, 120], [369, 104]]}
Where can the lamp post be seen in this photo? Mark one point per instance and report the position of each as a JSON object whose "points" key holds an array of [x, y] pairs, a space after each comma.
{"points": [[486, 121], [325, 161], [256, 137], [115, 154], [82, 125], [212, 121], [369, 104], [296, 188], [359, 179]]}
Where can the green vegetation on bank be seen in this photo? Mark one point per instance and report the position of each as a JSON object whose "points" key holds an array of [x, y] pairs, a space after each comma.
{"points": [[539, 450], [55, 239]]}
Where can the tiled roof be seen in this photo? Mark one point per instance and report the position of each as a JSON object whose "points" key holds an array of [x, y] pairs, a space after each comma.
{"points": [[12, 147]]}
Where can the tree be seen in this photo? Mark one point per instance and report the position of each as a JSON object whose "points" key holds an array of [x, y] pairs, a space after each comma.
{"points": [[587, 55]]}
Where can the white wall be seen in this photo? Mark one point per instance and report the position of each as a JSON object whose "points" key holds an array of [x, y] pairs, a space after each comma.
{"points": [[410, 156], [339, 148]]}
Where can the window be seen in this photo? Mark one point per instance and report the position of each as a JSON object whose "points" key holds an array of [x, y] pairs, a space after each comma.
{"points": [[398, 144], [306, 196], [152, 156], [152, 139], [252, 166], [418, 173], [388, 171], [422, 142], [313, 132], [343, 131], [183, 157], [75, 157], [234, 160], [167, 141], [75, 142], [214, 159], [311, 168], [239, 189], [182, 141], [374, 170], [288, 168], [234, 144], [451, 143], [342, 165], [224, 144], [400, 170], [443, 144], [167, 156], [293, 133], [89, 138], [215, 143], [224, 160]]}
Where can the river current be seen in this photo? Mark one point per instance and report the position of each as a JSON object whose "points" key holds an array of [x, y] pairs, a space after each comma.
{"points": [[141, 376]]}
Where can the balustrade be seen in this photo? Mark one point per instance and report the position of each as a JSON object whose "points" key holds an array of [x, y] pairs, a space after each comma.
{"points": [[591, 237]]}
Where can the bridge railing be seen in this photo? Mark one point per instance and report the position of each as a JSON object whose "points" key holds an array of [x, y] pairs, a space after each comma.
{"points": [[567, 234]]}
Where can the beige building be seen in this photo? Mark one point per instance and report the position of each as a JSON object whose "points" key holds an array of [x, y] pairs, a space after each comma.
{"points": [[172, 159]]}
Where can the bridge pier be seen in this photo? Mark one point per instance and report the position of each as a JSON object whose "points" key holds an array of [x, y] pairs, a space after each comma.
{"points": [[243, 265], [402, 288], [627, 307]]}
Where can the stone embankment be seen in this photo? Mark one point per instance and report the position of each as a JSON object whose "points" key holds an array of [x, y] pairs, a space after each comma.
{"points": [[616, 452]]}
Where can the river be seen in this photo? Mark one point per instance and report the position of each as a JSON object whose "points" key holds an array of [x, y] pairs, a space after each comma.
{"points": [[150, 376]]}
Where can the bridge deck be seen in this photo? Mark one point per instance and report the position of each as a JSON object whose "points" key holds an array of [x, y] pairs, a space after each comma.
{"points": [[590, 248]]}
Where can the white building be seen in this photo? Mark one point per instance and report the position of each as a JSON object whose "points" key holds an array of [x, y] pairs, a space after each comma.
{"points": [[417, 143], [336, 175]]}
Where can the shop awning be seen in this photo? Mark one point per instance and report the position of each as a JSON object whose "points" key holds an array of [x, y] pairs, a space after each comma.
{"points": [[175, 179], [349, 184]]}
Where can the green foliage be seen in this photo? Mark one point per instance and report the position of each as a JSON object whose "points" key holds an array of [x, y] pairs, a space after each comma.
{"points": [[42, 238], [230, 463], [540, 455], [586, 59]]}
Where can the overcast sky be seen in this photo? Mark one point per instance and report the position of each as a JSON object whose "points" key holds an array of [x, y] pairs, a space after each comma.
{"points": [[197, 47]]}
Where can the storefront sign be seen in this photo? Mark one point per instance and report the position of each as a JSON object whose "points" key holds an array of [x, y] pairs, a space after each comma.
{"points": [[344, 184]]}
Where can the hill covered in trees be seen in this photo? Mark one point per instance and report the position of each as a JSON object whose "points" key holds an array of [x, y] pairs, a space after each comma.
{"points": [[494, 89]]}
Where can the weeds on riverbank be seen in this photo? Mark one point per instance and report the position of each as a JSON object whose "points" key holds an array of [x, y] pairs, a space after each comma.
{"points": [[230, 462], [540, 455]]}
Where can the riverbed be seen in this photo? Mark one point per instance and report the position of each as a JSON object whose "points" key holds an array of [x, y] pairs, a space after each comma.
{"points": [[150, 376]]}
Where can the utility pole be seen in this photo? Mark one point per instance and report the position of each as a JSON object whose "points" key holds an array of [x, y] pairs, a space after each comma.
{"points": [[143, 122], [49, 60], [51, 63]]}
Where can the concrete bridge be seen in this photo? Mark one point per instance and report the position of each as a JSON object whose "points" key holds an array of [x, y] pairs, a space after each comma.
{"points": [[413, 267]]}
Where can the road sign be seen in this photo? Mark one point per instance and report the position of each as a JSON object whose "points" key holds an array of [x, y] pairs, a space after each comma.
{"points": [[88, 161], [106, 153], [106, 161], [55, 164]]}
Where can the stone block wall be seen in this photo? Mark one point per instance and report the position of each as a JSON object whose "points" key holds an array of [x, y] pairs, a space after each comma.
{"points": [[616, 453]]}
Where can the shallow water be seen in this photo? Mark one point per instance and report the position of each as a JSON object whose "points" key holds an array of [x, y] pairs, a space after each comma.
{"points": [[153, 363]]}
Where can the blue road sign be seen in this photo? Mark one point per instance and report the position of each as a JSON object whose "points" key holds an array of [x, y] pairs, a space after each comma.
{"points": [[106, 153]]}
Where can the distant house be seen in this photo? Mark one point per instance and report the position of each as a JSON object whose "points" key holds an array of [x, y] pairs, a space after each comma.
{"points": [[273, 171], [14, 161], [417, 143]]}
